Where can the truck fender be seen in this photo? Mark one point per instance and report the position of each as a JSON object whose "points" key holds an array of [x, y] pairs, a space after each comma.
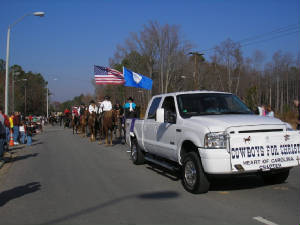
{"points": [[191, 137]]}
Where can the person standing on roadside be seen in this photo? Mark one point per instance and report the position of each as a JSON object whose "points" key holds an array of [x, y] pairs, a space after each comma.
{"points": [[29, 133], [7, 125], [2, 134], [22, 132], [270, 112], [16, 124]]}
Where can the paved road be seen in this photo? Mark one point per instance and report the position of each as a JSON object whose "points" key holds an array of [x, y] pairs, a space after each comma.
{"points": [[65, 179]]}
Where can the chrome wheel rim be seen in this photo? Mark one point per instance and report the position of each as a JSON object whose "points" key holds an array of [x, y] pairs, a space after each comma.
{"points": [[133, 152], [190, 173]]}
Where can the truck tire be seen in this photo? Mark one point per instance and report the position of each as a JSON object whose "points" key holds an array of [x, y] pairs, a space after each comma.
{"points": [[275, 177], [136, 154], [194, 179]]}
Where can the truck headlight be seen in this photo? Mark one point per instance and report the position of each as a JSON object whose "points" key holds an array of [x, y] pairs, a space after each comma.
{"points": [[215, 140]]}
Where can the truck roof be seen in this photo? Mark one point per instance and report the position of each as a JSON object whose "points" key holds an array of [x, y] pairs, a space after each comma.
{"points": [[191, 92]]}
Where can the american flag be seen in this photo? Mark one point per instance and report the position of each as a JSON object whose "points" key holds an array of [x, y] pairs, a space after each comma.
{"points": [[105, 75]]}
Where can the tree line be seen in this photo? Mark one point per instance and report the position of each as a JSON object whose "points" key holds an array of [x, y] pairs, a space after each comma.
{"points": [[27, 91], [161, 53]]}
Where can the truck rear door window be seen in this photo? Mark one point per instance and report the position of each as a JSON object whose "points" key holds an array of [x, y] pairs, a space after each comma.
{"points": [[153, 108]]}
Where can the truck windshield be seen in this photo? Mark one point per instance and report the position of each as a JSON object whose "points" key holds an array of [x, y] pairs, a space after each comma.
{"points": [[210, 104]]}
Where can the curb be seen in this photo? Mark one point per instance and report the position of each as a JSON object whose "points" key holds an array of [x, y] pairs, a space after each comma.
{"points": [[1, 163], [7, 156]]}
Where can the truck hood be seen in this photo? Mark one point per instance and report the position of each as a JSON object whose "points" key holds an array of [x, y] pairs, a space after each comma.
{"points": [[216, 123]]}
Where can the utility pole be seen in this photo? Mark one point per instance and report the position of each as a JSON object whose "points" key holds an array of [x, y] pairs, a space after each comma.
{"points": [[196, 54], [47, 102], [25, 96]]}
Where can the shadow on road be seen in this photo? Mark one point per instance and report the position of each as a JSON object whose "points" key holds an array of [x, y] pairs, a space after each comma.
{"points": [[221, 183], [152, 195], [236, 183], [21, 157], [19, 191]]}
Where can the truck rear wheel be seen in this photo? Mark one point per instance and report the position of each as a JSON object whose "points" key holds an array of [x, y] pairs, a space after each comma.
{"points": [[136, 154], [194, 178], [275, 177]]}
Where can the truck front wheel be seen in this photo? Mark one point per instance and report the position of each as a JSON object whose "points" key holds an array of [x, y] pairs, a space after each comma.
{"points": [[136, 154], [194, 178]]}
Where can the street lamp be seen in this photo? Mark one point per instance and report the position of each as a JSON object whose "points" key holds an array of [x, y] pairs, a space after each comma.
{"points": [[40, 14]]}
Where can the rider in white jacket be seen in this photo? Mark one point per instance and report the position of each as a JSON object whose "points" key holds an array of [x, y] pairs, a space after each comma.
{"points": [[93, 107], [106, 105]]}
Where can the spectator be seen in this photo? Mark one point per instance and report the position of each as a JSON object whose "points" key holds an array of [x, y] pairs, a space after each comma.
{"points": [[16, 124], [22, 132], [262, 110], [269, 112], [2, 134], [7, 125], [29, 133]]}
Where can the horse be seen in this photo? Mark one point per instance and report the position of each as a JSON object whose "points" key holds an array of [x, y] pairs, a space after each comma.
{"points": [[119, 123], [98, 125], [108, 125], [83, 122], [91, 124], [75, 124], [67, 120]]}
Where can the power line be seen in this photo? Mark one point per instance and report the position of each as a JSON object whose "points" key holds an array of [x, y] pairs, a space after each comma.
{"points": [[271, 38], [282, 31], [278, 30]]}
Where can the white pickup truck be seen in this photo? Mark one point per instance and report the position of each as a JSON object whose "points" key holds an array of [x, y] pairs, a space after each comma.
{"points": [[206, 133]]}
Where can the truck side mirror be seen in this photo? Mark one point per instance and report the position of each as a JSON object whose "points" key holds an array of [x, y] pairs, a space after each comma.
{"points": [[170, 117], [160, 115]]}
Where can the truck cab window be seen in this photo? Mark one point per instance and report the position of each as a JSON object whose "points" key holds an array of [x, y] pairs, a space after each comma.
{"points": [[169, 104], [153, 108]]}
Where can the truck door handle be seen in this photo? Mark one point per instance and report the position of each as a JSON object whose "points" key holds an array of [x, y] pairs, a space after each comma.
{"points": [[172, 143], [178, 130]]}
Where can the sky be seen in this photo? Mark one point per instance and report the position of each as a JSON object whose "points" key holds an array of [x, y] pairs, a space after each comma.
{"points": [[75, 35]]}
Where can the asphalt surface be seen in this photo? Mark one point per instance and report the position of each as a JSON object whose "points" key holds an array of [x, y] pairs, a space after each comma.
{"points": [[66, 179]]}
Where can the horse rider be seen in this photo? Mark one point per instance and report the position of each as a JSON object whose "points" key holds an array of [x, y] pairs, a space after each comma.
{"points": [[67, 119], [75, 112], [117, 106], [93, 107], [130, 113], [106, 105]]}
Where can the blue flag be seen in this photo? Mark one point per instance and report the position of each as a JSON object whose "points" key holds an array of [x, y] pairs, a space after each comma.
{"points": [[133, 79]]}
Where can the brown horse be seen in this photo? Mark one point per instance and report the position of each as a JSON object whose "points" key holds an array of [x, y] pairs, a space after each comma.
{"points": [[107, 125], [75, 124], [83, 122], [91, 124]]}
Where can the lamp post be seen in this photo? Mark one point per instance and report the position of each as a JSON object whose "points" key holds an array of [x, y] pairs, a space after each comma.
{"points": [[40, 14]]}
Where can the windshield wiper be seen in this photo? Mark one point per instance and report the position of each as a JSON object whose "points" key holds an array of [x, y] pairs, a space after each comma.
{"points": [[235, 112]]}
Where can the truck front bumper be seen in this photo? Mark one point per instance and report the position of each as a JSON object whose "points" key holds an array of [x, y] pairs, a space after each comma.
{"points": [[215, 161]]}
